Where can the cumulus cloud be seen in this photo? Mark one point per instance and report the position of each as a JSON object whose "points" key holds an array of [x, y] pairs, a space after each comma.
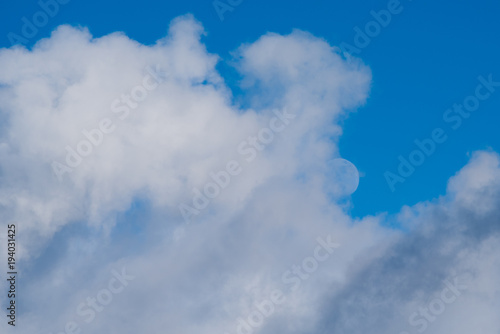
{"points": [[452, 238], [168, 122], [166, 144]]}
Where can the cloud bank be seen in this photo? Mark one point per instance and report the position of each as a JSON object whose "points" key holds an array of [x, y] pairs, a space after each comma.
{"points": [[156, 123]]}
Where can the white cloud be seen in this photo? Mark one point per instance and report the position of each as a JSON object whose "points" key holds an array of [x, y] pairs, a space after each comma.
{"points": [[269, 217], [453, 236], [180, 132]]}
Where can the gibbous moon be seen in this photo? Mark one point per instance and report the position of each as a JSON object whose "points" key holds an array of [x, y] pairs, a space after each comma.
{"points": [[344, 176]]}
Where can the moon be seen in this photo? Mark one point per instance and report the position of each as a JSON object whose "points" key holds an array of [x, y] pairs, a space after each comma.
{"points": [[344, 176]]}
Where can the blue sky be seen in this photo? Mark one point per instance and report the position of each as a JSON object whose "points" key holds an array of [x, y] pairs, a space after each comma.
{"points": [[426, 59], [122, 207]]}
